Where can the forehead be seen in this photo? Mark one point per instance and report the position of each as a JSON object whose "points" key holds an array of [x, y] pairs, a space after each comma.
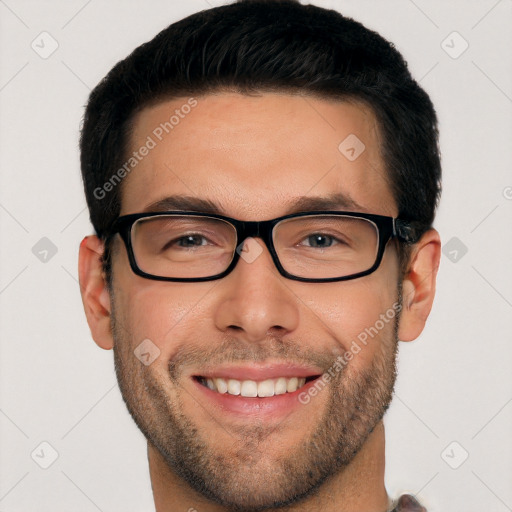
{"points": [[254, 157]]}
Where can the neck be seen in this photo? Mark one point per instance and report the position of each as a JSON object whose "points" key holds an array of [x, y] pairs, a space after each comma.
{"points": [[358, 488]]}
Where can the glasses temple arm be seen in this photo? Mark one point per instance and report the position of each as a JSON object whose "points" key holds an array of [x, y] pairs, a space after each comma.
{"points": [[409, 232]]}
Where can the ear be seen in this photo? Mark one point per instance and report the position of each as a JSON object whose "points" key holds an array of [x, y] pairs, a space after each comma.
{"points": [[95, 295], [419, 285]]}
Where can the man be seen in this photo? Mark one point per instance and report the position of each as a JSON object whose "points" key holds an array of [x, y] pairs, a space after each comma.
{"points": [[262, 178]]}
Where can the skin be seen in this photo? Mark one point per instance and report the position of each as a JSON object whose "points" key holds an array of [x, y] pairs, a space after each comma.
{"points": [[254, 156]]}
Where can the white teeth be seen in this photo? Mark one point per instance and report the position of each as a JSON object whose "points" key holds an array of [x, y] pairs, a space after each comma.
{"points": [[234, 387], [221, 384], [280, 386], [251, 388], [292, 384], [266, 388]]}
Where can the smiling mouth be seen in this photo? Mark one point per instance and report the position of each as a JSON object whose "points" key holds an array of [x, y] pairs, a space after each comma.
{"points": [[255, 389]]}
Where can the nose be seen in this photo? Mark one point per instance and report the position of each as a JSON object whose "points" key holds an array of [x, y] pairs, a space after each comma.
{"points": [[254, 300]]}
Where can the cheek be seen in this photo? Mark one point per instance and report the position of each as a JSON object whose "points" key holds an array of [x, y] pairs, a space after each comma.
{"points": [[160, 311], [357, 315]]}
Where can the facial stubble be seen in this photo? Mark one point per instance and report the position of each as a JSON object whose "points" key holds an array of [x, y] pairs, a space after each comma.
{"points": [[245, 480]]}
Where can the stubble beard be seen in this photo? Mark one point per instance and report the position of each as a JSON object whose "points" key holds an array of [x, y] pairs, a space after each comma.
{"points": [[247, 480]]}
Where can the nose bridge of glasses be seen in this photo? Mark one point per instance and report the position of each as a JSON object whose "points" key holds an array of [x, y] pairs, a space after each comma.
{"points": [[255, 229]]}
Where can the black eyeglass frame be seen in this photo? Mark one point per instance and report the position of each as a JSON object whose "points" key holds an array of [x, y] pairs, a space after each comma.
{"points": [[387, 227]]}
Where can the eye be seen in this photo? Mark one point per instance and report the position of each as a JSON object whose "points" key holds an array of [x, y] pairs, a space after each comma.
{"points": [[189, 241], [320, 240]]}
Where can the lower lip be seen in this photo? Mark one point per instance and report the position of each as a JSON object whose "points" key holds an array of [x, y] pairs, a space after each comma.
{"points": [[272, 407]]}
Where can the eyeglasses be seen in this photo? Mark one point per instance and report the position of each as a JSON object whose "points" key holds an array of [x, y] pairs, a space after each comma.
{"points": [[320, 246]]}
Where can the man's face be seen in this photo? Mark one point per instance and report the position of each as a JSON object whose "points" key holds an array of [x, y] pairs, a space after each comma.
{"points": [[254, 157]]}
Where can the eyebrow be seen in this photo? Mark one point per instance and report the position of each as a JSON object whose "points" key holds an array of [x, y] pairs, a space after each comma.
{"points": [[334, 202]]}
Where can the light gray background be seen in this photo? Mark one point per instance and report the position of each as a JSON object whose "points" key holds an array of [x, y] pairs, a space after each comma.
{"points": [[57, 386]]}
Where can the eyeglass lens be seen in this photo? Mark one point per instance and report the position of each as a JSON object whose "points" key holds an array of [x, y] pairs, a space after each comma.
{"points": [[315, 247]]}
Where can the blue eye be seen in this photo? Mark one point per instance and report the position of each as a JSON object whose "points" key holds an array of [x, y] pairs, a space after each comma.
{"points": [[320, 240]]}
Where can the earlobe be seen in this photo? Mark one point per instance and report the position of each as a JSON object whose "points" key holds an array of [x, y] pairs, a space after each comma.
{"points": [[419, 285], [94, 291]]}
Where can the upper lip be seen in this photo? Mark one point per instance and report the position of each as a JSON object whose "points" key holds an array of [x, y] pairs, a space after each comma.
{"points": [[260, 372]]}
